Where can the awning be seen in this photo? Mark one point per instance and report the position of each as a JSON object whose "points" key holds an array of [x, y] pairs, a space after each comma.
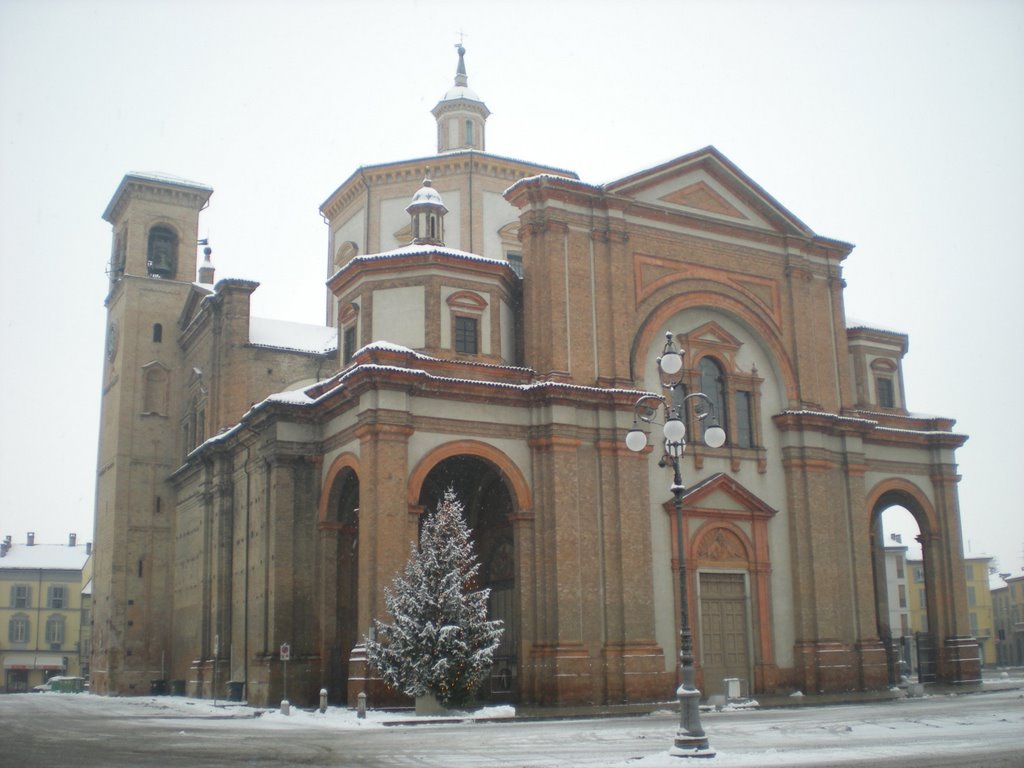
{"points": [[32, 661]]}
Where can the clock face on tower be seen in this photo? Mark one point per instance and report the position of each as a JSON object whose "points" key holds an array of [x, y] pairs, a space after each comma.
{"points": [[112, 338]]}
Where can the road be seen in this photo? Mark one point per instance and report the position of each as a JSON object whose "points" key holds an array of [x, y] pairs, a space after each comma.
{"points": [[44, 730]]}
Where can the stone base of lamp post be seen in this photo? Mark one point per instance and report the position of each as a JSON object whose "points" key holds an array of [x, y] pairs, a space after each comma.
{"points": [[690, 740]]}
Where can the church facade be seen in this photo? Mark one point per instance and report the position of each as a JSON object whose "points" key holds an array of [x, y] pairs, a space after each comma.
{"points": [[490, 324]]}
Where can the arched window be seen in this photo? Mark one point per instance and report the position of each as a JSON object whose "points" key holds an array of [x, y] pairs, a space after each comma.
{"points": [[154, 389], [162, 253], [158, 333], [712, 384], [469, 133]]}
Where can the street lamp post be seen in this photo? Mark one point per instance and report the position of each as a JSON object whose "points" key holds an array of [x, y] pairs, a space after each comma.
{"points": [[690, 739]]}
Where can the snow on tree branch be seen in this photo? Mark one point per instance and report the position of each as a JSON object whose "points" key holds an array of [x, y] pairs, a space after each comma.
{"points": [[440, 641]]}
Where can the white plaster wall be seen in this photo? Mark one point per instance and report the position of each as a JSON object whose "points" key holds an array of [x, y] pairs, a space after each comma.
{"points": [[398, 316], [392, 218], [354, 229], [769, 487], [497, 213]]}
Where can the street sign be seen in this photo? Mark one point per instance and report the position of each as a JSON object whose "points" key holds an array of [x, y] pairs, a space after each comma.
{"points": [[286, 651]]}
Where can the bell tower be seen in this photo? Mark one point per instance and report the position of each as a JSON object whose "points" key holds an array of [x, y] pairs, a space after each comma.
{"points": [[155, 221], [461, 115]]}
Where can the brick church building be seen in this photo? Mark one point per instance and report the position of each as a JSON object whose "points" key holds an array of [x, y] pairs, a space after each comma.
{"points": [[490, 324]]}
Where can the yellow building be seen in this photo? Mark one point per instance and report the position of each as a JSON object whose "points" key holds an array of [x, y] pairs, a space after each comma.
{"points": [[979, 606], [1008, 618], [41, 606], [979, 603]]}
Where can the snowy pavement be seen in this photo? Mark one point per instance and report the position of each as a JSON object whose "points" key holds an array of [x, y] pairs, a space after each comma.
{"points": [[950, 730]]}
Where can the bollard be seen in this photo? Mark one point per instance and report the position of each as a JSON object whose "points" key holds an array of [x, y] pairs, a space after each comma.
{"points": [[323, 700], [361, 711], [286, 708]]}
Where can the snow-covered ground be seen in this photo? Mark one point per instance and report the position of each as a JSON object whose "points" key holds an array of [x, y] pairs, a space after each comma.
{"points": [[911, 729]]}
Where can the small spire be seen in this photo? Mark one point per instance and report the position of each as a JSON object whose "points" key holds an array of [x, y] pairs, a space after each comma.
{"points": [[461, 78], [206, 269]]}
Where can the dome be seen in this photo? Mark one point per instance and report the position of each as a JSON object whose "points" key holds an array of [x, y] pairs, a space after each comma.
{"points": [[426, 194], [457, 92]]}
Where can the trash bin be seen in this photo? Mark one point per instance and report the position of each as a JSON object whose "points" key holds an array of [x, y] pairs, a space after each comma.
{"points": [[235, 690], [177, 687], [157, 687]]}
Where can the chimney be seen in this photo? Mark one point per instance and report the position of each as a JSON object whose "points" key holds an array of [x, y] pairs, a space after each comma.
{"points": [[5, 546], [88, 547], [71, 539], [31, 538]]}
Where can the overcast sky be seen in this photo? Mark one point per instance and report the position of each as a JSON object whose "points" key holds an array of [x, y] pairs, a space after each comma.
{"points": [[897, 126]]}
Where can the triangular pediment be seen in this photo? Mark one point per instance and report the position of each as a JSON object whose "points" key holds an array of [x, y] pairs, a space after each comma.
{"points": [[708, 184], [192, 301], [722, 495], [702, 196], [712, 334]]}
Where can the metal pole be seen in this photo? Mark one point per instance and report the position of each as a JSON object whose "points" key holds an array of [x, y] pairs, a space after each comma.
{"points": [[690, 739]]}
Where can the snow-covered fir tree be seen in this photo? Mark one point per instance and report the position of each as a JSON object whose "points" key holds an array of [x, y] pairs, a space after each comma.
{"points": [[440, 641]]}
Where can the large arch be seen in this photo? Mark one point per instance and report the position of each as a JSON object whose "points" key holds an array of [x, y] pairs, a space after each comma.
{"points": [[493, 493], [338, 529], [923, 651], [762, 328], [518, 486]]}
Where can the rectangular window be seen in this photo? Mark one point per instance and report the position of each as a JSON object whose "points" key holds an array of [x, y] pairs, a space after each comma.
{"points": [[899, 569], [969, 572], [18, 629], [55, 597], [349, 343], [886, 398], [971, 596], [744, 419], [466, 335], [55, 630], [903, 595], [21, 596], [515, 260]]}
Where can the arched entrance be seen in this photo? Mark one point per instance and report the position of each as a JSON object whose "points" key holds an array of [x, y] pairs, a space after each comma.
{"points": [[900, 567], [339, 526], [488, 504]]}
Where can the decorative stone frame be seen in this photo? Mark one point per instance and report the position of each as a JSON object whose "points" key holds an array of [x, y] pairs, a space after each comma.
{"points": [[731, 537], [466, 304], [883, 369], [711, 340]]}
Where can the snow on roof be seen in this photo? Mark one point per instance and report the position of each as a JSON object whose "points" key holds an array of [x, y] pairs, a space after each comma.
{"points": [[45, 556], [414, 249], [858, 325], [301, 337], [167, 178]]}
